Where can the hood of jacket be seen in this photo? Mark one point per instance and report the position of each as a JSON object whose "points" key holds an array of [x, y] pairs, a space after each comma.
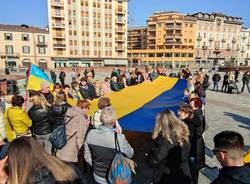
{"points": [[237, 174], [75, 111]]}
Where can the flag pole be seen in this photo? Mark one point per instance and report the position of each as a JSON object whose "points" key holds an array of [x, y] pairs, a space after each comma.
{"points": [[27, 81]]}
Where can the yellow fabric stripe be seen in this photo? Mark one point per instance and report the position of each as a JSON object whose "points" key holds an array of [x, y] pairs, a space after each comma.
{"points": [[34, 83], [134, 97]]}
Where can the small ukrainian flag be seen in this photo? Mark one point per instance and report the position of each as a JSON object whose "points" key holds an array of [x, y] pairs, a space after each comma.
{"points": [[36, 78]]}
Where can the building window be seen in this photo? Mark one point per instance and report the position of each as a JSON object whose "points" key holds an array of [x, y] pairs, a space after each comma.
{"points": [[8, 36], [41, 39], [9, 49], [42, 50], [25, 37], [26, 49]]}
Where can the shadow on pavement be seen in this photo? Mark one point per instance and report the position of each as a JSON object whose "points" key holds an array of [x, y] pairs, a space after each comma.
{"points": [[239, 118]]}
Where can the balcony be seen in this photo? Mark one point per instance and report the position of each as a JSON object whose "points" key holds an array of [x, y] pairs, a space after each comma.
{"points": [[244, 37], [204, 47], [243, 50], [59, 37], [56, 4], [58, 15], [248, 44], [228, 49], [211, 39], [223, 39], [59, 46], [199, 38], [41, 44], [58, 25], [4, 55], [119, 48], [176, 35], [120, 21], [171, 27], [171, 42], [234, 40], [118, 30], [120, 11], [121, 39]]}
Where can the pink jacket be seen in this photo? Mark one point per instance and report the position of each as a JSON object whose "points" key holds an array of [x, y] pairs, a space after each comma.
{"points": [[105, 89]]}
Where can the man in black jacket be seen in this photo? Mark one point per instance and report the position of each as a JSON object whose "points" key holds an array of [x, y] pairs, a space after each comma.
{"points": [[216, 79], [245, 81], [228, 148]]}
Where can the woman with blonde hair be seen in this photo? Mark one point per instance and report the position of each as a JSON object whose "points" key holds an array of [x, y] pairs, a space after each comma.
{"points": [[170, 154], [29, 163], [42, 124], [59, 109]]}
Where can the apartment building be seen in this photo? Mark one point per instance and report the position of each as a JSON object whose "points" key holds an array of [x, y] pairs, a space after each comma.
{"points": [[23, 45], [88, 32], [170, 40], [137, 38], [244, 50], [217, 39]]}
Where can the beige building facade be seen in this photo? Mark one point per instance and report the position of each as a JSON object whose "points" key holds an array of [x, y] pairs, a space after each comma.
{"points": [[137, 38], [170, 40], [218, 39], [88, 32], [24, 45], [244, 51]]}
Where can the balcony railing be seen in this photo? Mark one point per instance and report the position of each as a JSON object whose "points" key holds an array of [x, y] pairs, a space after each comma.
{"points": [[57, 3], [223, 40], [120, 48], [4, 55], [120, 21], [120, 39], [228, 48], [211, 39], [58, 15], [120, 11], [204, 47], [58, 36], [248, 44], [120, 30], [169, 27], [58, 25], [41, 44], [59, 45], [199, 38], [244, 37], [234, 40]]}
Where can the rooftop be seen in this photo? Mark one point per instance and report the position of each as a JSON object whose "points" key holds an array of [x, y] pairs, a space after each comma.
{"points": [[22, 28]]}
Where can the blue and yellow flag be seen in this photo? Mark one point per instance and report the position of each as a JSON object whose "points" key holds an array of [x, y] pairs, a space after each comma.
{"points": [[137, 106], [36, 78]]}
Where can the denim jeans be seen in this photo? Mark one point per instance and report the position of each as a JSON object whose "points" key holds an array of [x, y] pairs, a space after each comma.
{"points": [[216, 85]]}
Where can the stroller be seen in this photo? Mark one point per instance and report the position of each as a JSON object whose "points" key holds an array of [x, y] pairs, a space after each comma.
{"points": [[233, 88]]}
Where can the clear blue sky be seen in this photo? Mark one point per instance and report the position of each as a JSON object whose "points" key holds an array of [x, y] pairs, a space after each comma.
{"points": [[34, 12]]}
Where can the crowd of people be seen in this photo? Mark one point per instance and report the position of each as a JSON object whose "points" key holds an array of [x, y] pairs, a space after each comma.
{"points": [[230, 80], [177, 154]]}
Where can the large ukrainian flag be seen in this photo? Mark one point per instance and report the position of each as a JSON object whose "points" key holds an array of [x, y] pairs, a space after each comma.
{"points": [[36, 78], [137, 106]]}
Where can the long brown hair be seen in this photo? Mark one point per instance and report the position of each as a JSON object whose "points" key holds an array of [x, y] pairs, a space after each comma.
{"points": [[26, 155], [171, 128]]}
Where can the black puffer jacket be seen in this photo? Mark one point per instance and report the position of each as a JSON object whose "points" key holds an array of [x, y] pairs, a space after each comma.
{"points": [[58, 113], [41, 119], [171, 162]]}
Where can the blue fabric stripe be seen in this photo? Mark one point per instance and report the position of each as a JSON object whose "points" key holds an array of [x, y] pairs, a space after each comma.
{"points": [[143, 119], [35, 71]]}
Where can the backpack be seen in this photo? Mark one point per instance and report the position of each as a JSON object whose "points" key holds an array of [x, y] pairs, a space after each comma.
{"points": [[120, 170], [58, 137]]}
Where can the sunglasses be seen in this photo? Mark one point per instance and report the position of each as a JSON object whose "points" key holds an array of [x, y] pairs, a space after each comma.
{"points": [[217, 151]]}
